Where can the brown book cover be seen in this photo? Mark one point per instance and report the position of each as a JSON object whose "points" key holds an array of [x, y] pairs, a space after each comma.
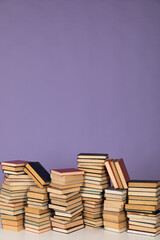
{"points": [[11, 168], [93, 155], [144, 183], [14, 163], [138, 207], [111, 173], [36, 211], [37, 231], [13, 228], [122, 171]]}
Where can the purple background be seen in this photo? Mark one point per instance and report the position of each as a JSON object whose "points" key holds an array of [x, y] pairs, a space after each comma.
{"points": [[81, 76]]}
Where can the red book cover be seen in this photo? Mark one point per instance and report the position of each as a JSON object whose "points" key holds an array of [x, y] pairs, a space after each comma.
{"points": [[124, 170], [67, 171], [14, 163]]}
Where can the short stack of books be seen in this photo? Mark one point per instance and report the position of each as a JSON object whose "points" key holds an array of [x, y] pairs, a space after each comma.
{"points": [[66, 201], [143, 207], [13, 194], [37, 213], [96, 179], [118, 173], [114, 215]]}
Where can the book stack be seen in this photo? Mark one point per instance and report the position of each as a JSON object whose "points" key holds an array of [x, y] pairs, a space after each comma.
{"points": [[143, 207], [66, 201], [96, 179], [37, 213], [13, 194], [114, 215], [118, 173]]}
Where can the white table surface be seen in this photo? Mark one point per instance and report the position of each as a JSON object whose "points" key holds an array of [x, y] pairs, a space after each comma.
{"points": [[83, 234]]}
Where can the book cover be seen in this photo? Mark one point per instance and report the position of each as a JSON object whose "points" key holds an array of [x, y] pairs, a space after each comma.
{"points": [[39, 172], [67, 171], [111, 173], [122, 171]]}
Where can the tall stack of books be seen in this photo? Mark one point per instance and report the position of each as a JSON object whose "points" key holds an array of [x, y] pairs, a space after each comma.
{"points": [[114, 215], [13, 195], [37, 213], [66, 201], [96, 179], [143, 207], [118, 173]]}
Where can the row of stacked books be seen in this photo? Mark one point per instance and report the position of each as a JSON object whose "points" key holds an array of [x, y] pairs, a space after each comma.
{"points": [[37, 213], [114, 215], [76, 197], [13, 194], [143, 207], [65, 200], [96, 179]]}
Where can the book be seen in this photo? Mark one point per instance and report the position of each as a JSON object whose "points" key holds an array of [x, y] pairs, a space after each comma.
{"points": [[123, 173], [111, 190], [115, 172], [12, 222], [144, 183], [39, 196], [38, 231], [67, 225], [37, 216], [139, 207], [13, 172], [93, 155], [69, 214], [14, 163], [66, 186], [118, 230], [67, 171], [17, 177], [15, 188], [13, 169], [111, 173], [13, 218], [64, 196], [73, 229], [12, 228], [36, 211], [38, 173], [63, 191], [143, 233]]}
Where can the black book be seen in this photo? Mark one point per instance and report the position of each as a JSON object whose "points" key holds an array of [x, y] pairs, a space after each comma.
{"points": [[38, 173]]}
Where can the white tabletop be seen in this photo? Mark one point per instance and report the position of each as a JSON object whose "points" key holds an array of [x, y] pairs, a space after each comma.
{"points": [[83, 234]]}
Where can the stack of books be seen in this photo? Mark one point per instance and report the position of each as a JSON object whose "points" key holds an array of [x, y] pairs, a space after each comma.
{"points": [[65, 199], [118, 173], [37, 213], [13, 194], [143, 207], [114, 215], [96, 179]]}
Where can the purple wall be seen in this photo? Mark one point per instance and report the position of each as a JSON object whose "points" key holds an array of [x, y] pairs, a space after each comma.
{"points": [[81, 76]]}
